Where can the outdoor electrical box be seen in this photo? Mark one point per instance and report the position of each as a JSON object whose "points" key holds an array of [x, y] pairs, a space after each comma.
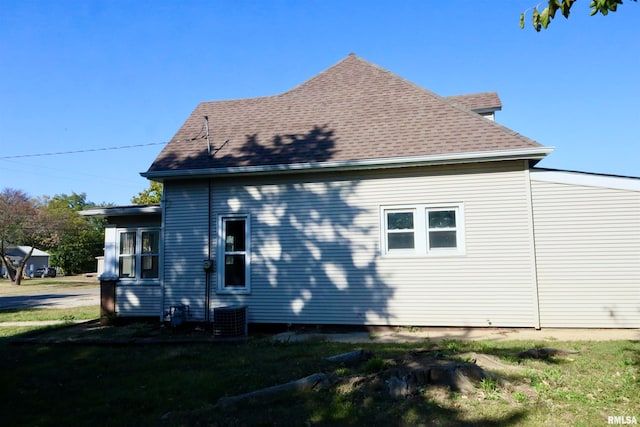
{"points": [[207, 265]]}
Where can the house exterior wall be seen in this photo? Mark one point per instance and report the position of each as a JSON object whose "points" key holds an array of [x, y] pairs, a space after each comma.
{"points": [[588, 250], [316, 247], [138, 300], [186, 245]]}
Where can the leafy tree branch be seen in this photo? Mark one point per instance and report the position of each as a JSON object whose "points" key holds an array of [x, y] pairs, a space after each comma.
{"points": [[151, 195], [541, 18]]}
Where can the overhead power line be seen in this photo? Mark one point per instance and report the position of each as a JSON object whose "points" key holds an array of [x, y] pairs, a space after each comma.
{"points": [[87, 150]]}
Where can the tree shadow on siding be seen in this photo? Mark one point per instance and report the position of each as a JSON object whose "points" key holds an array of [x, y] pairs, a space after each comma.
{"points": [[314, 243]]}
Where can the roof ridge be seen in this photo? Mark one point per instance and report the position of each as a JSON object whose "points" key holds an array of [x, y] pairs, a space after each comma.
{"points": [[437, 96], [472, 94], [464, 110], [317, 75], [276, 95]]}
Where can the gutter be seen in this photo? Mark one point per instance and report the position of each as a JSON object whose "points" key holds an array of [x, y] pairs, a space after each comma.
{"points": [[121, 211], [537, 153]]}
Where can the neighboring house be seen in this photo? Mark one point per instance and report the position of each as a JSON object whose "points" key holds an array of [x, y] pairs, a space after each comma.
{"points": [[360, 198], [17, 253]]}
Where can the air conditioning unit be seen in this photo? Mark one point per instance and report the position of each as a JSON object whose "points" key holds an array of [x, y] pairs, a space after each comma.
{"points": [[230, 321]]}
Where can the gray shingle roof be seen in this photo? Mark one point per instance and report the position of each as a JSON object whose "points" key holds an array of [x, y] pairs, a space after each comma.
{"points": [[352, 111]]}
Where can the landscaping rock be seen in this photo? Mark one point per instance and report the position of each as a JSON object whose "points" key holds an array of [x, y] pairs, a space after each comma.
{"points": [[352, 356], [312, 382]]}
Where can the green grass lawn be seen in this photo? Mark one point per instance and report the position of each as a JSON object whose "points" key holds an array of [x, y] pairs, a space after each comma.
{"points": [[178, 384], [88, 312], [39, 286]]}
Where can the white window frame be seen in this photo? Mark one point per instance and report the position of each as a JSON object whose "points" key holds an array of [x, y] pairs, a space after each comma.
{"points": [[421, 230], [221, 252], [387, 231], [138, 256]]}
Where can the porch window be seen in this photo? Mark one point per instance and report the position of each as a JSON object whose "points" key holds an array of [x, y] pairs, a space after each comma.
{"points": [[150, 254], [139, 254], [127, 264]]}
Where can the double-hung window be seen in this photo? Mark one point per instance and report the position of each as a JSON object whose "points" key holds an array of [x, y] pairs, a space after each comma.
{"points": [[139, 254], [442, 231], [234, 253], [422, 230], [400, 229]]}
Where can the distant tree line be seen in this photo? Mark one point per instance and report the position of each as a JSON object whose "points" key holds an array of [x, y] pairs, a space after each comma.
{"points": [[52, 224]]}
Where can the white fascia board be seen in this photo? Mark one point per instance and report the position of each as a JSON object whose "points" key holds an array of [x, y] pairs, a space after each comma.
{"points": [[346, 165], [121, 211], [586, 179]]}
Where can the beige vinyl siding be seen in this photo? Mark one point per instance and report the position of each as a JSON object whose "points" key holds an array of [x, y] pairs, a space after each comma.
{"points": [[138, 300], [185, 242], [588, 255], [316, 254]]}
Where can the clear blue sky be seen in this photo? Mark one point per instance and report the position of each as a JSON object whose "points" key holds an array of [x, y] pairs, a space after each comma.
{"points": [[84, 75]]}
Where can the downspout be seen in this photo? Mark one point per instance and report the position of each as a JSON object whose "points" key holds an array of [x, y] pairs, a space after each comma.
{"points": [[207, 272], [163, 216], [532, 237]]}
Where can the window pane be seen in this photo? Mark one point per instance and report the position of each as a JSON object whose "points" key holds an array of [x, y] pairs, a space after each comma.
{"points": [[150, 242], [128, 243], [442, 219], [442, 239], [400, 221], [234, 270], [234, 238], [400, 240], [127, 267], [150, 267]]}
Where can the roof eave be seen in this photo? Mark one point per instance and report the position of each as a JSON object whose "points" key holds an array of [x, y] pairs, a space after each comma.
{"points": [[535, 153], [486, 110], [122, 211]]}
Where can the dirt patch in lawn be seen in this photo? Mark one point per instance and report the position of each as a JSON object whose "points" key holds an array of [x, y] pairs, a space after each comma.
{"points": [[359, 384]]}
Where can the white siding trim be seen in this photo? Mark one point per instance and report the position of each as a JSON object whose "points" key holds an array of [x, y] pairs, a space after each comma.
{"points": [[110, 253], [532, 242]]}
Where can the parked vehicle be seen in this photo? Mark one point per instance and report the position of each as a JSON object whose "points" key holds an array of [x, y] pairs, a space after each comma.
{"points": [[45, 272]]}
